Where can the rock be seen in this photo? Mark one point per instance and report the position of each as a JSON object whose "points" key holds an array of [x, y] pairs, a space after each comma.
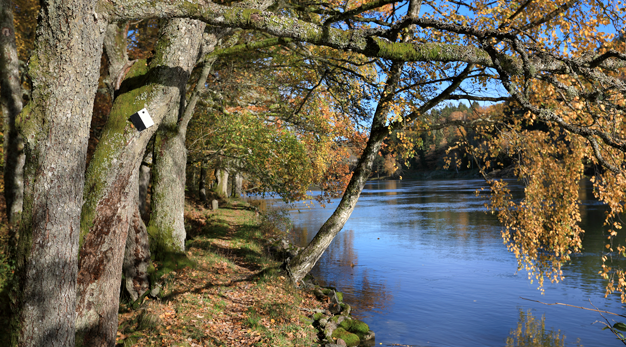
{"points": [[339, 296], [345, 309], [214, 205], [308, 285], [349, 338], [335, 305], [323, 322], [156, 290], [329, 330], [332, 345], [318, 293], [338, 319], [355, 326], [369, 339], [341, 342]]}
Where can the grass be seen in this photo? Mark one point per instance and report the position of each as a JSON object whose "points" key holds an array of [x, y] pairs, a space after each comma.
{"points": [[234, 294]]}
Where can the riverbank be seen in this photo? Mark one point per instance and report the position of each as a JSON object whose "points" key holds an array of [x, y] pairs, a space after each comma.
{"points": [[232, 292], [508, 172]]}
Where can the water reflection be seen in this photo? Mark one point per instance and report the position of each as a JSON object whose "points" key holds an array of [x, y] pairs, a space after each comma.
{"points": [[532, 332], [353, 279], [422, 264]]}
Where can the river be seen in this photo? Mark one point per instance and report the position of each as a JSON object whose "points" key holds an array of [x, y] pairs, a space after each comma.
{"points": [[424, 265]]}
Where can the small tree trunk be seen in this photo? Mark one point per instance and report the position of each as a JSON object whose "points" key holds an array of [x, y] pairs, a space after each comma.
{"points": [[144, 183], [302, 263], [237, 185], [167, 220], [137, 257], [201, 187], [11, 103], [221, 187]]}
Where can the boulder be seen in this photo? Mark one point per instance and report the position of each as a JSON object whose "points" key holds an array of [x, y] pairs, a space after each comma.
{"points": [[349, 338]]}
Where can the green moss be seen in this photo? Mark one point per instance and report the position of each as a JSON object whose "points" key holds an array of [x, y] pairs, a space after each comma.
{"points": [[317, 316], [340, 296], [139, 68], [349, 338], [355, 326], [161, 242], [112, 142], [242, 16]]}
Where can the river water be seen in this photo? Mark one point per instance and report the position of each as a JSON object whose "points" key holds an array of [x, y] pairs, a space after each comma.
{"points": [[424, 265]]}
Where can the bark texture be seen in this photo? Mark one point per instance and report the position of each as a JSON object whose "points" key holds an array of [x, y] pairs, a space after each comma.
{"points": [[137, 256], [144, 183], [167, 219], [167, 201], [109, 195], [11, 103], [64, 68], [137, 259]]}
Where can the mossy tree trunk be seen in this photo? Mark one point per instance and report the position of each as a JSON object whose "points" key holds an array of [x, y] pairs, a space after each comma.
{"points": [[167, 202], [64, 68], [11, 103], [110, 197]]}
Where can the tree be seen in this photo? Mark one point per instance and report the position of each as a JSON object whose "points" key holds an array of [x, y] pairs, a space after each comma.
{"points": [[502, 43]]}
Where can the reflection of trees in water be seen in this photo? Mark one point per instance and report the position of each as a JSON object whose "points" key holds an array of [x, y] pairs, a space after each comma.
{"points": [[339, 267], [532, 332]]}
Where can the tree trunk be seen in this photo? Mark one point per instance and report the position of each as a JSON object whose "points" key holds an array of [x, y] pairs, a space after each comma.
{"points": [[64, 68], [201, 187], [137, 254], [221, 187], [137, 257], [167, 220], [237, 184], [109, 194], [304, 261], [144, 183], [11, 102]]}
